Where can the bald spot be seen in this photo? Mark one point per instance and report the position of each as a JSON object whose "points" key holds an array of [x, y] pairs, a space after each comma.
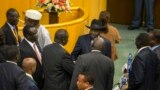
{"points": [[98, 43], [28, 64]]}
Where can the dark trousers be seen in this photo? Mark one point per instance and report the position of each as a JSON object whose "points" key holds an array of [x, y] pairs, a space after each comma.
{"points": [[149, 6]]}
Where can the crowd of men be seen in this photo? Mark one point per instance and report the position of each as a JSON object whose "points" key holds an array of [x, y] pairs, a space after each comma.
{"points": [[35, 63]]}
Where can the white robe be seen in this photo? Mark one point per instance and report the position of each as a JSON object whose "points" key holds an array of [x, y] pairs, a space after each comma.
{"points": [[43, 37]]}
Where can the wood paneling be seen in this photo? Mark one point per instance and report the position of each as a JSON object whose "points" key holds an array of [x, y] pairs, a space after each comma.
{"points": [[122, 11], [157, 14]]}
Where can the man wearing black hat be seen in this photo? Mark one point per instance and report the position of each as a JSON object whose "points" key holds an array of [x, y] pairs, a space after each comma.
{"points": [[84, 42], [100, 67]]}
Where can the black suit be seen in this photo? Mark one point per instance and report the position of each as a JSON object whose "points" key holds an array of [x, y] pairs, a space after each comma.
{"points": [[57, 66], [2, 53], [83, 46], [100, 67], [143, 70], [10, 38], [157, 51], [27, 51], [12, 77]]}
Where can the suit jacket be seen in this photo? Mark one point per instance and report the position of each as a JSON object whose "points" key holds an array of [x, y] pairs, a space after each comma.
{"points": [[143, 70], [100, 67], [27, 51], [157, 51], [2, 53], [10, 38], [83, 46], [32, 84], [57, 66], [12, 77]]}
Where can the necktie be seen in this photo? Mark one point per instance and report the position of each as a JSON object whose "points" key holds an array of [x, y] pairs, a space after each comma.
{"points": [[15, 34], [37, 53]]}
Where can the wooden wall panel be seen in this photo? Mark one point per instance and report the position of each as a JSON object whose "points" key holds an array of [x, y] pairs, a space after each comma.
{"points": [[122, 11], [157, 14]]}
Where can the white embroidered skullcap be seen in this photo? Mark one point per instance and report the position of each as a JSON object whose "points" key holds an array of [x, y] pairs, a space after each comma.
{"points": [[33, 14]]}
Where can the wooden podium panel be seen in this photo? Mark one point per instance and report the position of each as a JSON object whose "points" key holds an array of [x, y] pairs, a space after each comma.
{"points": [[122, 11], [157, 14]]}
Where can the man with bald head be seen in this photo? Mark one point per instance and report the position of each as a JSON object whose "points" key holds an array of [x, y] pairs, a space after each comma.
{"points": [[29, 66], [96, 64], [57, 63]]}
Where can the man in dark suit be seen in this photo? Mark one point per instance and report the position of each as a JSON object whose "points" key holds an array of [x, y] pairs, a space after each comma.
{"points": [[12, 77], [57, 63], [155, 44], [10, 27], [85, 81], [143, 69], [149, 7], [96, 64], [83, 44], [29, 48], [29, 66]]}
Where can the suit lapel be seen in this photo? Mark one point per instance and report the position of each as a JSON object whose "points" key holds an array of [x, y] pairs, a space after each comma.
{"points": [[9, 30], [28, 46]]}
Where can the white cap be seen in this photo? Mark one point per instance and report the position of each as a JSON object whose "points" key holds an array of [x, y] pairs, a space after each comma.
{"points": [[33, 14]]}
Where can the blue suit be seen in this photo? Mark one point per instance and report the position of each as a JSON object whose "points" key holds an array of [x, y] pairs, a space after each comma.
{"points": [[142, 75], [83, 46], [32, 84], [149, 6], [12, 77]]}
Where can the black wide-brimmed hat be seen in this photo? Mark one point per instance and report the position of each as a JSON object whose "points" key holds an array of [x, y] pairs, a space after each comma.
{"points": [[97, 25]]}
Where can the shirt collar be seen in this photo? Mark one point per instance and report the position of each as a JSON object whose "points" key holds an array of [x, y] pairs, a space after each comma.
{"points": [[95, 51], [12, 62], [29, 75], [89, 88], [60, 44], [12, 27], [154, 47], [143, 48], [30, 43]]}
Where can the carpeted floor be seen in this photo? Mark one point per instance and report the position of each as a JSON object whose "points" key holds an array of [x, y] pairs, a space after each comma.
{"points": [[126, 46]]}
